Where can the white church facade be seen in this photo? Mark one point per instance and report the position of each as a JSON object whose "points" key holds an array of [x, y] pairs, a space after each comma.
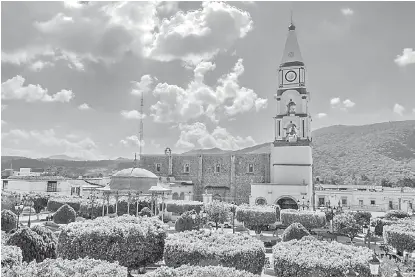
{"points": [[291, 161]]}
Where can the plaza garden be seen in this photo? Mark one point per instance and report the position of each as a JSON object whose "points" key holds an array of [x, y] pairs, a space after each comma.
{"points": [[123, 238]]}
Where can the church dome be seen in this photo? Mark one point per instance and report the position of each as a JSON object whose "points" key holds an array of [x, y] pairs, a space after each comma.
{"points": [[135, 172]]}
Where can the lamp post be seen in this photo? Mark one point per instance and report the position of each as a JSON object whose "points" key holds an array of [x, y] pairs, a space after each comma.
{"points": [[303, 205], [374, 265], [28, 203], [19, 209], [138, 199]]}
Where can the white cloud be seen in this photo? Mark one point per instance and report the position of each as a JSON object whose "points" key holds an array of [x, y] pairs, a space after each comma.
{"points": [[220, 137], [335, 101], [84, 148], [143, 86], [131, 141], [199, 34], [14, 89], [3, 107], [153, 143], [134, 114], [55, 24], [39, 65], [348, 103], [398, 109], [179, 104], [84, 107], [321, 115], [27, 55], [347, 11], [413, 110], [407, 57]]}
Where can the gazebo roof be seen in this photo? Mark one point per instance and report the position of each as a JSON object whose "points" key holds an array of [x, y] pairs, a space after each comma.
{"points": [[135, 172]]}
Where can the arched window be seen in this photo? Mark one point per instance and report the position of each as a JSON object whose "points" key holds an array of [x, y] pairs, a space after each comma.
{"points": [[175, 196], [182, 196], [260, 201], [217, 197]]}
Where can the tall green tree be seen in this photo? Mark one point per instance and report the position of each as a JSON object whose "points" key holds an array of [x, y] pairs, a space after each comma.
{"points": [[217, 212]]}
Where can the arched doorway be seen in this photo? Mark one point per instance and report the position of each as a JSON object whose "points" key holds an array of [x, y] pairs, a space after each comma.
{"points": [[175, 196], [287, 203], [182, 196]]}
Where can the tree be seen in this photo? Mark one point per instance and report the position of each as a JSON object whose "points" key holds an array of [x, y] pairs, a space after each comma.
{"points": [[39, 203], [8, 220], [294, 231], [64, 215], [217, 212], [347, 225]]}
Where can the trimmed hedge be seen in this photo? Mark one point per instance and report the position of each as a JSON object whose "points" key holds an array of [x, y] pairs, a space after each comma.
{"points": [[54, 203], [401, 235], [204, 248], [37, 243], [309, 257], [308, 219], [68, 268], [198, 271], [8, 220], [132, 241], [256, 217], [181, 206], [64, 215], [294, 231], [396, 214], [11, 256]]}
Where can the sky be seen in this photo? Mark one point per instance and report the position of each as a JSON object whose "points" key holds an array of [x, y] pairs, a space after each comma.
{"points": [[73, 73]]}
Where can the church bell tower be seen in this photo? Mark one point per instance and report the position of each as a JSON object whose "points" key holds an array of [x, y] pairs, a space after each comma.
{"points": [[291, 155]]}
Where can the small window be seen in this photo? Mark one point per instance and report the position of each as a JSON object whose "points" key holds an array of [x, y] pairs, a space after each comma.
{"points": [[251, 168], [186, 168], [52, 186], [158, 167], [217, 168], [321, 201], [361, 202], [344, 201], [372, 202]]}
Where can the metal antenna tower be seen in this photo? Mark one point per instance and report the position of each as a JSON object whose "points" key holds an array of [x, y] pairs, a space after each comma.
{"points": [[141, 127]]}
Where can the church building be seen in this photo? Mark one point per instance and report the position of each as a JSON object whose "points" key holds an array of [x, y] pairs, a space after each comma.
{"points": [[291, 155]]}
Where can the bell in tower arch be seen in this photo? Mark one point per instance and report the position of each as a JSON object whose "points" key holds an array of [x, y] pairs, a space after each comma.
{"points": [[291, 107]]}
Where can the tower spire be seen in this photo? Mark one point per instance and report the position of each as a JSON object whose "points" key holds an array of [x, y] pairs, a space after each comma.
{"points": [[141, 128]]}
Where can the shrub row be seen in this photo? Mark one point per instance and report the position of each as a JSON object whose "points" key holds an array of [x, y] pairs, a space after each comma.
{"points": [[132, 241], [396, 214], [308, 219], [11, 256], [181, 206], [54, 203], [37, 243], [198, 271], [401, 235], [200, 248], [256, 217], [67, 268], [310, 257]]}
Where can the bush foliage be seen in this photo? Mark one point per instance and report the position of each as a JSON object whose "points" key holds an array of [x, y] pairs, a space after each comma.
{"points": [[310, 257], [68, 268], [308, 219], [11, 256], [362, 217], [198, 271], [217, 211], [64, 215], [256, 217], [294, 231], [401, 235], [200, 248], [346, 224], [8, 220], [132, 241], [186, 222], [37, 243], [181, 206]]}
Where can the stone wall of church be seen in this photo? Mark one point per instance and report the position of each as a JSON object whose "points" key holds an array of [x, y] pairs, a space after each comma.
{"points": [[231, 183]]}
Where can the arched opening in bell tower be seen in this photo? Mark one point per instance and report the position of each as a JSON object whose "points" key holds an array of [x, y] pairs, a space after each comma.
{"points": [[287, 202]]}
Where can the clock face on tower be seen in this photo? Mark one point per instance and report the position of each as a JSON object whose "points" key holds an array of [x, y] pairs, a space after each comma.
{"points": [[290, 76]]}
